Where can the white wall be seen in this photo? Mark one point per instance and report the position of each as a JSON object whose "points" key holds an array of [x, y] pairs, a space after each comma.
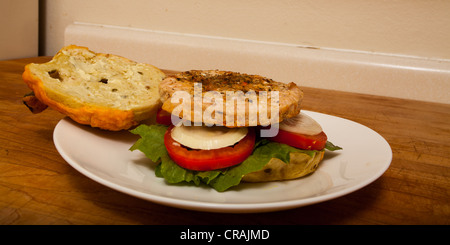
{"points": [[396, 48], [403, 27], [18, 29]]}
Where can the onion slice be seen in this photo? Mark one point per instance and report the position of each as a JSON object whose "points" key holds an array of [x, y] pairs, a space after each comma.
{"points": [[301, 124], [207, 138]]}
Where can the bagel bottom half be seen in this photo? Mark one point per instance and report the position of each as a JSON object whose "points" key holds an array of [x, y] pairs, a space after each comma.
{"points": [[300, 165]]}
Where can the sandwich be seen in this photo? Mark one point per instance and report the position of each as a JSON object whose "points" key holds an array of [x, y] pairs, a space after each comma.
{"points": [[221, 128], [214, 128]]}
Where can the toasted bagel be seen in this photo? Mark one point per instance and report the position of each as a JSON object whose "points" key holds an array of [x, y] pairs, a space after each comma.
{"points": [[300, 165], [102, 90], [289, 97]]}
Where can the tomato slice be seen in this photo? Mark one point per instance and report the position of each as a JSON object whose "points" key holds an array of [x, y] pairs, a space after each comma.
{"points": [[205, 160], [163, 117], [301, 141]]}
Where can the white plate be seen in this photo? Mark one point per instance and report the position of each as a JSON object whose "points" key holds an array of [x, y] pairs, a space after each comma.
{"points": [[105, 157]]}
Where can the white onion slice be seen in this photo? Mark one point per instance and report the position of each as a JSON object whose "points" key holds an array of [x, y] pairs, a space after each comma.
{"points": [[207, 138], [302, 124]]}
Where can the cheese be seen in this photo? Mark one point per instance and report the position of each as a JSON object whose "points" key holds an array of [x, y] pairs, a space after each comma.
{"points": [[301, 124], [207, 138]]}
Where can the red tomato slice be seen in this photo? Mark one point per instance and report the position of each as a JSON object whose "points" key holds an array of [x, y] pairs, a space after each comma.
{"points": [[205, 160], [163, 117], [301, 141]]}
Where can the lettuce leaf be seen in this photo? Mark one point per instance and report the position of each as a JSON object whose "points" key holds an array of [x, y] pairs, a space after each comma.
{"points": [[331, 147], [151, 144]]}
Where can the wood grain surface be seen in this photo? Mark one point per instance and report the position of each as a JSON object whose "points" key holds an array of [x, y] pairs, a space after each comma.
{"points": [[38, 187]]}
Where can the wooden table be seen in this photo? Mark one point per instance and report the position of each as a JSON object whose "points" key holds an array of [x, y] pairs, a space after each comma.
{"points": [[38, 187]]}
